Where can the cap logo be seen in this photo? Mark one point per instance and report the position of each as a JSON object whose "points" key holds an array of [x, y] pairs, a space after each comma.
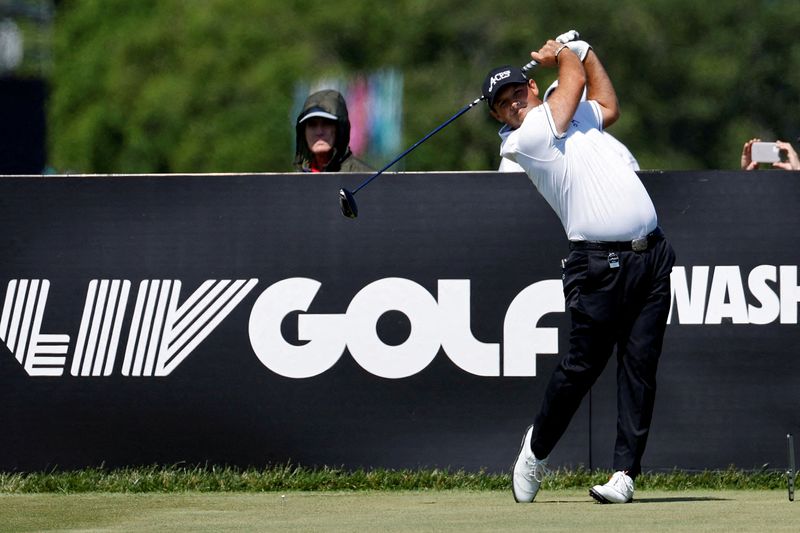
{"points": [[497, 77]]}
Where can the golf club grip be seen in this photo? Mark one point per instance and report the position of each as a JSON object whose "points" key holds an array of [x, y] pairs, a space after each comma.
{"points": [[574, 36]]}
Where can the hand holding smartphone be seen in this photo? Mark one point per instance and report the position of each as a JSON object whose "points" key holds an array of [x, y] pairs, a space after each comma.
{"points": [[765, 152]]}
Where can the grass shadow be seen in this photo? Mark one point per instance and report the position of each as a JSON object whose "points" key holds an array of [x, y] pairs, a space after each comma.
{"points": [[671, 499], [681, 499]]}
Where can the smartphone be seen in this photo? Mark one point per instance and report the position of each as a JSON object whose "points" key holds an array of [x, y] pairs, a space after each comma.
{"points": [[762, 152]]}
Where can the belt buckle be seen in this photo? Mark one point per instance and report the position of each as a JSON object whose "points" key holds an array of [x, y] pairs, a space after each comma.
{"points": [[639, 245]]}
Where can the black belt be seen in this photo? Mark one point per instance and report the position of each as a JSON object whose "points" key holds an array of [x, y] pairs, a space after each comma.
{"points": [[636, 245]]}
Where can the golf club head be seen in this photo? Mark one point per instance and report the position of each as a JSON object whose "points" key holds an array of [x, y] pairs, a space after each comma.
{"points": [[347, 203]]}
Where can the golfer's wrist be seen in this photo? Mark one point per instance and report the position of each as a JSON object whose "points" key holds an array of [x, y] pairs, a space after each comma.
{"points": [[560, 50]]}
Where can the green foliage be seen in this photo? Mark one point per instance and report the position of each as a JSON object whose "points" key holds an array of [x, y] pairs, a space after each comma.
{"points": [[207, 85], [295, 478]]}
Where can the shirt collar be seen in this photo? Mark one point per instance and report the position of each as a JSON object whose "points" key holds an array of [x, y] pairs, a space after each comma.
{"points": [[505, 131]]}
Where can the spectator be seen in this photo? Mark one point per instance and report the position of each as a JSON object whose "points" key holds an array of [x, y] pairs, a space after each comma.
{"points": [[792, 162], [323, 136]]}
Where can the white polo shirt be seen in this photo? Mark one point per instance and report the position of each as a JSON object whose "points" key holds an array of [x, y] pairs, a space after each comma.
{"points": [[597, 196]]}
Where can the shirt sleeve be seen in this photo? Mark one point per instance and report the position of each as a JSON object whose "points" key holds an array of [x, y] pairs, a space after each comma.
{"points": [[533, 140], [551, 122], [596, 113], [507, 165]]}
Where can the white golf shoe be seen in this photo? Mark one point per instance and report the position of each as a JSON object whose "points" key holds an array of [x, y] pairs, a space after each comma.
{"points": [[528, 471], [619, 489]]}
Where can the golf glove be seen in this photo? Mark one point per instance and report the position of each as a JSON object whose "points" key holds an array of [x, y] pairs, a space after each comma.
{"points": [[571, 35], [581, 48], [570, 38]]}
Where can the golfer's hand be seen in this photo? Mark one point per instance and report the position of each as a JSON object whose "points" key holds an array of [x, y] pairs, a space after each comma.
{"points": [[571, 39], [546, 56], [792, 161], [747, 158]]}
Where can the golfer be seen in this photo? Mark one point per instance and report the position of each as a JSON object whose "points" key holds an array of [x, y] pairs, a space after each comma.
{"points": [[617, 276]]}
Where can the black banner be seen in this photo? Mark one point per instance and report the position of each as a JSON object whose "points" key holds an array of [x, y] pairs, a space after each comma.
{"points": [[242, 320]]}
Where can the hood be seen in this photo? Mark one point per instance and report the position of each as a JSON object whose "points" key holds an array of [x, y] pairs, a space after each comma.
{"points": [[324, 103]]}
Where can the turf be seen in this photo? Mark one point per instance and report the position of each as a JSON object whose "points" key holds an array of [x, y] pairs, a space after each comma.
{"points": [[431, 510]]}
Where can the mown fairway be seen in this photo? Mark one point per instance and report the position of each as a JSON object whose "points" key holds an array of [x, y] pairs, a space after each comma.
{"points": [[564, 510]]}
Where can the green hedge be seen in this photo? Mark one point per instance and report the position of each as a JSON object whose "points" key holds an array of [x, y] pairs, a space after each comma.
{"points": [[291, 478]]}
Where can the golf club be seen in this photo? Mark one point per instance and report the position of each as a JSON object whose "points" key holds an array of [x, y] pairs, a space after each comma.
{"points": [[347, 201]]}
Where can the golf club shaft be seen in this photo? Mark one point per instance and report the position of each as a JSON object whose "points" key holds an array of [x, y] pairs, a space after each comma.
{"points": [[526, 68], [347, 201], [428, 136]]}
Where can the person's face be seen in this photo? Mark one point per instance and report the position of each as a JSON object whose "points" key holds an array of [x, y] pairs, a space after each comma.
{"points": [[513, 102], [320, 135]]}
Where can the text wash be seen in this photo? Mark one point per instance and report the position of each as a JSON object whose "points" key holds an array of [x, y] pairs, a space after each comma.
{"points": [[161, 333]]}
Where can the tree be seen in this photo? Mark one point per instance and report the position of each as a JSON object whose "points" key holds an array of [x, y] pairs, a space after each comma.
{"points": [[207, 85]]}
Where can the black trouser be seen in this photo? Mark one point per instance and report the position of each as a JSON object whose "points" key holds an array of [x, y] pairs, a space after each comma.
{"points": [[624, 306]]}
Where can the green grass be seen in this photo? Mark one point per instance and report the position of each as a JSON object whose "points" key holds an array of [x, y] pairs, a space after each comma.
{"points": [[288, 498], [430, 510], [291, 478]]}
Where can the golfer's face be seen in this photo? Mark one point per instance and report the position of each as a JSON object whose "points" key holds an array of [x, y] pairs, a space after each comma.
{"points": [[511, 105], [320, 135]]}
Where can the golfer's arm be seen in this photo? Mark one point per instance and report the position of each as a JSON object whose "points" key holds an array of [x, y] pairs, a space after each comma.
{"points": [[571, 80], [600, 89]]}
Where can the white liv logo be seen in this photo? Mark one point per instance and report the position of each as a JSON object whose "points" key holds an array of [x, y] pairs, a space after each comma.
{"points": [[161, 336]]}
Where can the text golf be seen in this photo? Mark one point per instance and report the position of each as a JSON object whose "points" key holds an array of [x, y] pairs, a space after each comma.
{"points": [[163, 328]]}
